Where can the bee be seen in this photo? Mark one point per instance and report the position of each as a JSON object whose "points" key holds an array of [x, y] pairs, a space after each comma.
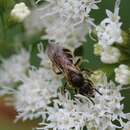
{"points": [[63, 63]]}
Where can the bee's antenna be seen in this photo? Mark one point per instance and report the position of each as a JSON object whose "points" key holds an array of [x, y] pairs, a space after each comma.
{"points": [[98, 91]]}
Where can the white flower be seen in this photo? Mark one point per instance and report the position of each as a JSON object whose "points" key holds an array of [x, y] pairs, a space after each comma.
{"points": [[36, 89], [75, 10], [69, 114], [127, 126], [66, 21], [67, 35], [33, 96], [20, 11], [63, 116], [37, 96], [96, 77], [57, 29], [122, 74], [13, 68], [45, 62], [109, 31], [110, 55], [63, 119]]}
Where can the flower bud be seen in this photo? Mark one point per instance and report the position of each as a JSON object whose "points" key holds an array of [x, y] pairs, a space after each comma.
{"points": [[110, 55], [98, 49], [20, 12], [122, 74]]}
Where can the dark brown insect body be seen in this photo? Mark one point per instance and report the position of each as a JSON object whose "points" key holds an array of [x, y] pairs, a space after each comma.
{"points": [[63, 62]]}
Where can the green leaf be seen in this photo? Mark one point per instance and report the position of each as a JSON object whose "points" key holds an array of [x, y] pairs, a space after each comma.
{"points": [[5, 5]]}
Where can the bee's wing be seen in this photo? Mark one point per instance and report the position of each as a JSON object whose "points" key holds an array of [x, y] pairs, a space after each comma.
{"points": [[68, 69]]}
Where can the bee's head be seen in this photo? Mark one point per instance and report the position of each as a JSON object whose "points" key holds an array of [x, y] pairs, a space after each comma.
{"points": [[87, 90]]}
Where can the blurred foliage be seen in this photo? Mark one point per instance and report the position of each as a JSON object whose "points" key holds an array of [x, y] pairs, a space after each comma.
{"points": [[12, 37]]}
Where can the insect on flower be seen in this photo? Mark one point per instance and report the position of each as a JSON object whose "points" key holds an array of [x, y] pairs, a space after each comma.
{"points": [[63, 63]]}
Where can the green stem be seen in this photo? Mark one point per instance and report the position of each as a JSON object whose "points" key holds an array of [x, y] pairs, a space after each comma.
{"points": [[3, 26]]}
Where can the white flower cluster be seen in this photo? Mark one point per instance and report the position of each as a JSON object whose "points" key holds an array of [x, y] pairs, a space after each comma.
{"points": [[20, 12], [13, 68], [38, 96], [36, 89], [127, 126], [76, 10], [108, 33], [68, 114], [35, 93], [122, 74], [108, 54], [66, 21]]}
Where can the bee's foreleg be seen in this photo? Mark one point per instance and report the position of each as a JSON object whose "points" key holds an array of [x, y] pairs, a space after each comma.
{"points": [[64, 87], [80, 61], [58, 72], [86, 72], [76, 91], [91, 100]]}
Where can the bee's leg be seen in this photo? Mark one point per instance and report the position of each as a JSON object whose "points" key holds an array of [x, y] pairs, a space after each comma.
{"points": [[86, 72], [98, 91], [64, 87], [61, 90], [67, 87], [76, 91], [91, 100], [77, 62], [56, 70]]}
